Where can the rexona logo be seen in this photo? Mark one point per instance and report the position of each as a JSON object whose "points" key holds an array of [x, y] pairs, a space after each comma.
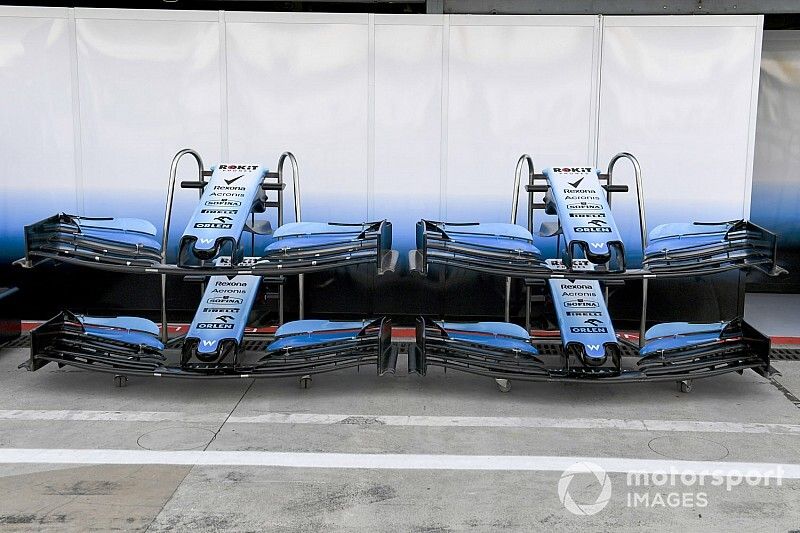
{"points": [[585, 205], [591, 229], [580, 302], [230, 284], [224, 300], [237, 168], [576, 286], [572, 170]]}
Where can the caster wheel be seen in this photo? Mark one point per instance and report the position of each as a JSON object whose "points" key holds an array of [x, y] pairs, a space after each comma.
{"points": [[503, 385], [305, 382], [685, 386], [120, 381]]}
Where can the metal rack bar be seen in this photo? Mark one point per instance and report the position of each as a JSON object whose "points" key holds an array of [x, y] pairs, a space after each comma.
{"points": [[173, 170]]}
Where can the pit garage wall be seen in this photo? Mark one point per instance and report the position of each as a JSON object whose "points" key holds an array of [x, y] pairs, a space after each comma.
{"points": [[776, 184], [401, 117]]}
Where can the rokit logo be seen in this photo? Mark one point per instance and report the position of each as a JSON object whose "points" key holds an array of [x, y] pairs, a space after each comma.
{"points": [[572, 170], [238, 168]]}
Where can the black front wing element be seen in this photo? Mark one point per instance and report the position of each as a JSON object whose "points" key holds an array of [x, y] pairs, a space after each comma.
{"points": [[745, 246], [740, 347], [62, 238], [63, 340]]}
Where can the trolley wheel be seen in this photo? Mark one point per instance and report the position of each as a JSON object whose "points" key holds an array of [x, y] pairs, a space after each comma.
{"points": [[305, 382], [120, 380], [503, 385], [685, 386]]}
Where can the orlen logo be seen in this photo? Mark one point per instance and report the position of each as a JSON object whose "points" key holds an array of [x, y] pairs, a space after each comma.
{"points": [[572, 170], [213, 325], [237, 168], [224, 300], [591, 229], [580, 303], [584, 329]]}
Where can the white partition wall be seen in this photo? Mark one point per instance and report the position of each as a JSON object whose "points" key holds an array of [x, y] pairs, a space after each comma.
{"points": [[36, 112], [149, 85], [516, 84], [408, 121], [680, 93], [299, 83], [390, 116], [776, 187]]}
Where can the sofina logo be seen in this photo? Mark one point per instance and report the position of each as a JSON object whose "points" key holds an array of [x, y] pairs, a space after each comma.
{"points": [[584, 509]]}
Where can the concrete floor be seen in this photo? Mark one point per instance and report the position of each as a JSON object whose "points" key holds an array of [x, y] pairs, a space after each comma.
{"points": [[462, 420]]}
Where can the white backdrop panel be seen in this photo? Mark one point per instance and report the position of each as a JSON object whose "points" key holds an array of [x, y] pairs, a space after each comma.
{"points": [[147, 89], [776, 187], [679, 93], [408, 110], [302, 86], [516, 85], [38, 176]]}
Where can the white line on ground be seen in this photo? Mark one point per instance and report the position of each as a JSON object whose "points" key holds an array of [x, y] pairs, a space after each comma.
{"points": [[687, 426], [521, 422], [389, 461], [111, 416]]}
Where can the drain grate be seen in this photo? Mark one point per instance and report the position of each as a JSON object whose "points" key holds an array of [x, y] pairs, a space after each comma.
{"points": [[785, 354], [20, 342]]}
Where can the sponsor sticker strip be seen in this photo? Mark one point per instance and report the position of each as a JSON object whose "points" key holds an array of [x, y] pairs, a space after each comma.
{"points": [[582, 313], [583, 210]]}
